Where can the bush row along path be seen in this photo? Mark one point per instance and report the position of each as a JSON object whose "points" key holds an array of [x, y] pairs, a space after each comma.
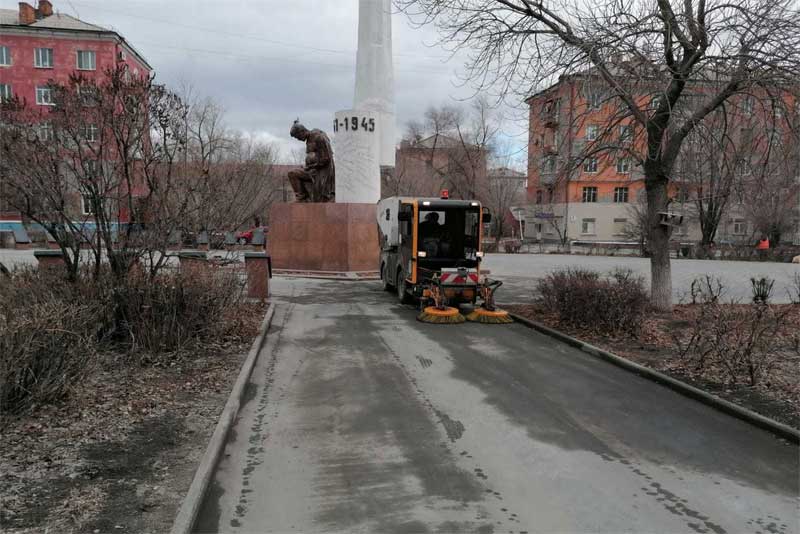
{"points": [[519, 272], [359, 418]]}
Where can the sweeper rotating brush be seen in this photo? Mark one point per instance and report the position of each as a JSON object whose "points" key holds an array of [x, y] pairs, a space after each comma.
{"points": [[434, 315], [482, 315]]}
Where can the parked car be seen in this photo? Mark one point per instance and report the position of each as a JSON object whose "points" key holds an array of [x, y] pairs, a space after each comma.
{"points": [[246, 237]]}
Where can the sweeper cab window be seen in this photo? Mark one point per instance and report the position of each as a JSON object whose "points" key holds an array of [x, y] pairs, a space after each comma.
{"points": [[449, 234]]}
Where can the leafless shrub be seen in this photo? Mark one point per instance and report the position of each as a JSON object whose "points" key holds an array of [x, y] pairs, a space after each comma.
{"points": [[175, 310], [48, 339], [706, 290], [742, 340], [794, 290], [611, 304], [762, 289], [53, 328]]}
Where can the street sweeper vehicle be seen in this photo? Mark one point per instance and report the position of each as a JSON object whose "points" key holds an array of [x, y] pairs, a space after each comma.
{"points": [[431, 254]]}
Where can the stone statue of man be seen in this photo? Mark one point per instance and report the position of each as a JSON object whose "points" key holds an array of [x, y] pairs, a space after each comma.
{"points": [[316, 182]]}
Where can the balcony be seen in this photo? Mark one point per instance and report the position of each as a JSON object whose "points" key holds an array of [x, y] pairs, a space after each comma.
{"points": [[547, 177], [549, 119], [550, 149]]}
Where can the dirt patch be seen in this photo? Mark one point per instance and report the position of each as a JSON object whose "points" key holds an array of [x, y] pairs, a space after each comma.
{"points": [[120, 453], [777, 396]]}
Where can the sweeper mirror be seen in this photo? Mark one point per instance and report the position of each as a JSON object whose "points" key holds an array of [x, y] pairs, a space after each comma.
{"points": [[486, 216]]}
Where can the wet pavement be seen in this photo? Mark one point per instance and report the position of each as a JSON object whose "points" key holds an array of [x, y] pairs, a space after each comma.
{"points": [[360, 419]]}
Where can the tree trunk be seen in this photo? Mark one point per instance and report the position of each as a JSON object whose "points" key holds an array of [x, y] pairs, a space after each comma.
{"points": [[658, 237]]}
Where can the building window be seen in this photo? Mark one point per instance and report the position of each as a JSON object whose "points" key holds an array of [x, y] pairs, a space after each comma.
{"points": [[742, 168], [539, 196], [625, 133], [549, 166], [46, 132], [587, 226], [590, 194], [44, 96], [623, 166], [591, 132], [88, 95], [621, 195], [43, 58], [747, 105], [86, 205], [5, 92], [739, 227], [86, 60], [620, 226], [594, 99], [91, 168], [91, 133], [590, 165], [5, 56]]}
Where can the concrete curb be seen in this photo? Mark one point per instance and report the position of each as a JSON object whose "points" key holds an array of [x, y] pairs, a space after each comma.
{"points": [[779, 429], [346, 276], [184, 521]]}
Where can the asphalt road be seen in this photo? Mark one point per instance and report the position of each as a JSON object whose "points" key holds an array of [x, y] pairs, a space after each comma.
{"points": [[360, 419]]}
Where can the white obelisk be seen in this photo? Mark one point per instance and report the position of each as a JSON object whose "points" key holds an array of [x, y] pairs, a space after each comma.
{"points": [[375, 70], [364, 136]]}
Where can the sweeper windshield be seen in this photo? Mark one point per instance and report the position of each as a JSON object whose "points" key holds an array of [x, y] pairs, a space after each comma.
{"points": [[449, 234]]}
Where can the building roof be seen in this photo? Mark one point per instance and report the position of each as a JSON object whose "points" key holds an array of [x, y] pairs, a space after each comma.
{"points": [[505, 172], [56, 21]]}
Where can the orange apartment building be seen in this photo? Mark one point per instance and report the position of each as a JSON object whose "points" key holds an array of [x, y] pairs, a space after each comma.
{"points": [[569, 198], [575, 196]]}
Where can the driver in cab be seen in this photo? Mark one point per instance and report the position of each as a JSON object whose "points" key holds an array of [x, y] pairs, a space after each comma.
{"points": [[435, 241], [430, 226]]}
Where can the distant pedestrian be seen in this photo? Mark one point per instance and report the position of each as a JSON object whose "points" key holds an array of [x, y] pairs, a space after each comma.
{"points": [[762, 248]]}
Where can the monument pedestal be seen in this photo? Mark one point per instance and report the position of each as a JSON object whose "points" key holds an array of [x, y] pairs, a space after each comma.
{"points": [[323, 237]]}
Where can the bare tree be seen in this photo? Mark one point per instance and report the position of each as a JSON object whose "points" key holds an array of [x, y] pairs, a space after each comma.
{"points": [[636, 226], [706, 171], [504, 192], [230, 175], [650, 55], [42, 193], [449, 150], [120, 164], [105, 156], [768, 182]]}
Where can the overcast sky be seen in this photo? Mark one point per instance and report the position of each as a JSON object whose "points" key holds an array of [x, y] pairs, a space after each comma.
{"points": [[270, 61]]}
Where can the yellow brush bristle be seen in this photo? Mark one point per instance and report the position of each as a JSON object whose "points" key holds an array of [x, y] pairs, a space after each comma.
{"points": [[480, 315], [435, 316]]}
